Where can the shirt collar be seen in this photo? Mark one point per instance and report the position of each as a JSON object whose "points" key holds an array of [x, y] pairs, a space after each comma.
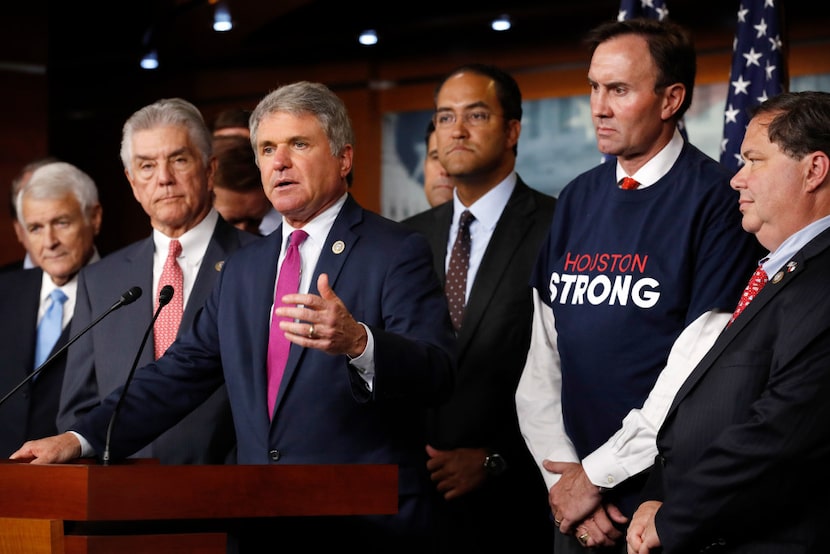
{"points": [[659, 165], [319, 227], [487, 209], [194, 242]]}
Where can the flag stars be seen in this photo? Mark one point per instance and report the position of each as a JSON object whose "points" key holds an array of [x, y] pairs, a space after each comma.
{"points": [[752, 57], [770, 70], [761, 28], [742, 14], [775, 43], [740, 86], [731, 114]]}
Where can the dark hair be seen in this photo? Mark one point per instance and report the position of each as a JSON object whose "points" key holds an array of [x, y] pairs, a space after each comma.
{"points": [[671, 48], [430, 130], [508, 92], [232, 118], [800, 122], [236, 167]]}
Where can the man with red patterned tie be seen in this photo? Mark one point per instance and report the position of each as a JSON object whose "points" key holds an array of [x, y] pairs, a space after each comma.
{"points": [[746, 439], [166, 151]]}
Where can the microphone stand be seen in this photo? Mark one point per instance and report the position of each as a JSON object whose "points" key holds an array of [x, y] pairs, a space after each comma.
{"points": [[165, 295], [127, 298]]}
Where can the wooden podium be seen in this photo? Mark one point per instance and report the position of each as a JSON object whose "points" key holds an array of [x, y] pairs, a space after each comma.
{"points": [[159, 509]]}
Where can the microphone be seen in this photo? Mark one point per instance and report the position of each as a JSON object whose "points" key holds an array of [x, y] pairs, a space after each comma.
{"points": [[128, 297], [165, 296]]}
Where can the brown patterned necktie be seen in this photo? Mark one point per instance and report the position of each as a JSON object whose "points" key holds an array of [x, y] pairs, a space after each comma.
{"points": [[456, 285]]}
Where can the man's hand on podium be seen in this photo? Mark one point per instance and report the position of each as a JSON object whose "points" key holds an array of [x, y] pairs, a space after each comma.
{"points": [[57, 449]]}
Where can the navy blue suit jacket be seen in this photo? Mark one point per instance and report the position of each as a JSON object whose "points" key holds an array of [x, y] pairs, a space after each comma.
{"points": [[746, 442], [30, 412], [325, 413], [100, 361]]}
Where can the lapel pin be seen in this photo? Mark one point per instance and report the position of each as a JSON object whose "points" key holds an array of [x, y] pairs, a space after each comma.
{"points": [[218, 265], [338, 247], [791, 266], [777, 277]]}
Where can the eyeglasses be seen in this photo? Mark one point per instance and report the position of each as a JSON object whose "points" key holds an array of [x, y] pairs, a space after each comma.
{"points": [[472, 118]]}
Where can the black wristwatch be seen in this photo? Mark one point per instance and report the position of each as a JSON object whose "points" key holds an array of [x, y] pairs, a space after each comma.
{"points": [[494, 464]]}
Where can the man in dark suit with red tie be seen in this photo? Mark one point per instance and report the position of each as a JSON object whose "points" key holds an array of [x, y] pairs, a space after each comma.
{"points": [[746, 441], [166, 152]]}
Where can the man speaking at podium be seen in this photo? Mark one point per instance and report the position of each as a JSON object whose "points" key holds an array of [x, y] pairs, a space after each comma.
{"points": [[365, 347]]}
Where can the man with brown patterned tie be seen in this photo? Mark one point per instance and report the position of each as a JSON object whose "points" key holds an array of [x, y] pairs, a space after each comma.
{"points": [[745, 441], [484, 242]]}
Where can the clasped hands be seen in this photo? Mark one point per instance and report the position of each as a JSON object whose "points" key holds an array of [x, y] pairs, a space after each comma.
{"points": [[578, 507]]}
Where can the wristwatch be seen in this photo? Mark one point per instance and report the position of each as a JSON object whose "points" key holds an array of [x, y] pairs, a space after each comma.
{"points": [[494, 464]]}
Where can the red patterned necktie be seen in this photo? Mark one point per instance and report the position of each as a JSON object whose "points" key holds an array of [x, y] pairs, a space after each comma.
{"points": [[456, 285], [629, 184], [288, 282], [756, 283], [167, 324]]}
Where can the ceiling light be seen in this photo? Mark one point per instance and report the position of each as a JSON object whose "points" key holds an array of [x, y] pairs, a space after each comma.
{"points": [[222, 18], [368, 37], [150, 60], [501, 23]]}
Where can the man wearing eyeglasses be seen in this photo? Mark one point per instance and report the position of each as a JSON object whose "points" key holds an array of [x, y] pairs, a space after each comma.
{"points": [[481, 468]]}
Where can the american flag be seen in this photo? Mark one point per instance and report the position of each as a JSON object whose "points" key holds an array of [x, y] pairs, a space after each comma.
{"points": [[758, 71], [652, 9]]}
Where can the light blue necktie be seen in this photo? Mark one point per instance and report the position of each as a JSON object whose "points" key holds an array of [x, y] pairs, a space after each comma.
{"points": [[50, 327]]}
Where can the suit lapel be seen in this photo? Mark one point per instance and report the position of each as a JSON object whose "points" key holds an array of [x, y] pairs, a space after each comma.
{"points": [[510, 230], [437, 236], [336, 249], [776, 283]]}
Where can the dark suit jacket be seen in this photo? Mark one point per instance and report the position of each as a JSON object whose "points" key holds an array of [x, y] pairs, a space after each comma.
{"points": [[492, 346], [746, 442], [30, 412], [100, 361], [12, 266], [325, 413]]}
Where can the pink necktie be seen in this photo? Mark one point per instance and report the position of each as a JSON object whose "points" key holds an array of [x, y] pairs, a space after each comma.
{"points": [[167, 324], [629, 184], [288, 282], [756, 283]]}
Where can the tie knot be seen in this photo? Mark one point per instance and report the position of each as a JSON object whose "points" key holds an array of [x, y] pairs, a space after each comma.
{"points": [[760, 276], [297, 237], [174, 250], [466, 218], [629, 184], [58, 296]]}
